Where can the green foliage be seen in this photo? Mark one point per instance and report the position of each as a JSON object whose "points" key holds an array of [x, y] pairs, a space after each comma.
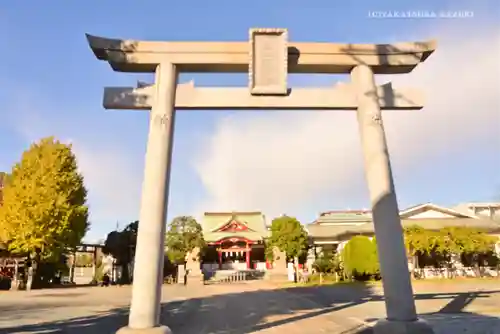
{"points": [[99, 272], [175, 255], [44, 197], [419, 240], [184, 235], [121, 244], [288, 234], [323, 264], [448, 240], [360, 257], [269, 252], [468, 240], [474, 244], [83, 260], [328, 262]]}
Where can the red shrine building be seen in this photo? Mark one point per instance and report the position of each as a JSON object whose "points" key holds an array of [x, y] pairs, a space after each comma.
{"points": [[235, 240]]}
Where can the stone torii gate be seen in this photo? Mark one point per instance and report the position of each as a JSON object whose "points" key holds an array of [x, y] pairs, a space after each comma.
{"points": [[268, 57]]}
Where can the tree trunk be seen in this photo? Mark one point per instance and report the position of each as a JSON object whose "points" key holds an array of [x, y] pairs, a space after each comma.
{"points": [[124, 274], [29, 280], [72, 268], [296, 268], [477, 270], [15, 279], [31, 274]]}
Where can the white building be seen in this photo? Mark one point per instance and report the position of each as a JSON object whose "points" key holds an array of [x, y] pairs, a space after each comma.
{"points": [[481, 209]]}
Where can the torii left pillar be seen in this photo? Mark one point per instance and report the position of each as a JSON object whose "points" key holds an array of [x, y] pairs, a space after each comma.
{"points": [[144, 315]]}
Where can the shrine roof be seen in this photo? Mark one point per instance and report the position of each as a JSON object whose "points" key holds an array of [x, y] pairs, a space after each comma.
{"points": [[363, 216], [216, 236], [345, 231], [342, 216], [245, 222]]}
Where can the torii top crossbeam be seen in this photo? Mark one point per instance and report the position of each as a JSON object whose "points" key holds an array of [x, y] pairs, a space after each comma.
{"points": [[268, 57], [143, 56]]}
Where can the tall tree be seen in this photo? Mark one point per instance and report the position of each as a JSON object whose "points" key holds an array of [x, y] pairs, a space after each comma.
{"points": [[183, 236], [44, 208], [290, 237], [121, 245]]}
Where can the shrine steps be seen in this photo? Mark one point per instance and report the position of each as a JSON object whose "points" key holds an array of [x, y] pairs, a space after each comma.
{"points": [[233, 276]]}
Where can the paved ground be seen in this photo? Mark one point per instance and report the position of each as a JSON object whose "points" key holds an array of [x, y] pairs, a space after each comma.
{"points": [[472, 308]]}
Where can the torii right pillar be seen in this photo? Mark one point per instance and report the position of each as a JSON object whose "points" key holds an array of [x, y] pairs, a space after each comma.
{"points": [[400, 305]]}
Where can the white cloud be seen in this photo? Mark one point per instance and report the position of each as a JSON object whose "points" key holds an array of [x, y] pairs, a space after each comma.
{"points": [[113, 180], [280, 161]]}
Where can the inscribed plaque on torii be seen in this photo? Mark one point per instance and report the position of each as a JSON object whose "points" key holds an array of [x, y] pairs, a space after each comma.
{"points": [[268, 64]]}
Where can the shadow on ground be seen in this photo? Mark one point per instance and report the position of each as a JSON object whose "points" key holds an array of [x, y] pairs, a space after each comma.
{"points": [[248, 312]]}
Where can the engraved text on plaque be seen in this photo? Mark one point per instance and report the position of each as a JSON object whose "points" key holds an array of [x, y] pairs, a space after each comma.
{"points": [[268, 61]]}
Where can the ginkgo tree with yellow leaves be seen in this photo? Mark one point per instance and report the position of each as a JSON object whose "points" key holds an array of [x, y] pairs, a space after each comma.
{"points": [[44, 210]]}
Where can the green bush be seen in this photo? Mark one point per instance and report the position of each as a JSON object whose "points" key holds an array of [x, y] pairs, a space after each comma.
{"points": [[360, 258], [323, 264], [99, 272]]}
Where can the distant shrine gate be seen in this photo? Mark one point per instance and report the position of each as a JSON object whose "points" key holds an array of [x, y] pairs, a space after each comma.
{"points": [[267, 57]]}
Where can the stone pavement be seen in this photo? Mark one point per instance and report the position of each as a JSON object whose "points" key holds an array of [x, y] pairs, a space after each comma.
{"points": [[250, 308]]}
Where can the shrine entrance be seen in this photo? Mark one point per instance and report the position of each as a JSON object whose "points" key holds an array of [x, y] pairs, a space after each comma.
{"points": [[268, 57], [238, 253], [234, 252]]}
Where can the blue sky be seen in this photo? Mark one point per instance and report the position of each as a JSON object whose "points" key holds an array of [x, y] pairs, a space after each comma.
{"points": [[300, 163]]}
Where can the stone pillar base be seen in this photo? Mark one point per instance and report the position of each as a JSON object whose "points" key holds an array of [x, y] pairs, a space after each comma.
{"points": [[152, 330], [402, 327]]}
